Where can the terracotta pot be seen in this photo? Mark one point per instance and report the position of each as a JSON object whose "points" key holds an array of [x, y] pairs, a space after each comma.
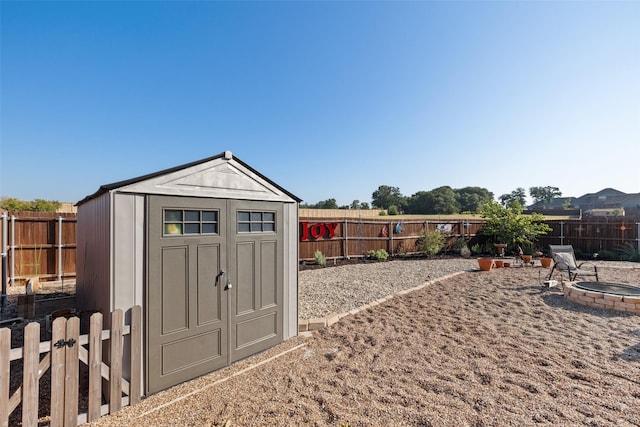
{"points": [[499, 263], [485, 264], [546, 262], [527, 258], [507, 264]]}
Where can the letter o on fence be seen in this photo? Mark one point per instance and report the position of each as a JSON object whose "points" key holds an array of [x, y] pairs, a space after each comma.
{"points": [[317, 230]]}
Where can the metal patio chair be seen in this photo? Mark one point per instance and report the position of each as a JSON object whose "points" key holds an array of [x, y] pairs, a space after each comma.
{"points": [[565, 261]]}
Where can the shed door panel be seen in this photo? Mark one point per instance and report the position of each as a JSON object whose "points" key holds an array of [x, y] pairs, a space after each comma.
{"points": [[195, 324], [187, 321], [256, 258]]}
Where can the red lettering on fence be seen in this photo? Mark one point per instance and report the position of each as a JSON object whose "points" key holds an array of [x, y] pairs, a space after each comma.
{"points": [[318, 230]]}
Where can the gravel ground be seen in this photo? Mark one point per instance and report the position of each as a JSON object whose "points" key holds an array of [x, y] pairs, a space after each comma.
{"points": [[343, 288], [477, 349]]}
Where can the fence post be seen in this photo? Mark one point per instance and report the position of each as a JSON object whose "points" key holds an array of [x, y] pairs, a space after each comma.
{"points": [[5, 365], [4, 261], [345, 251], [562, 232], [59, 248], [13, 250]]}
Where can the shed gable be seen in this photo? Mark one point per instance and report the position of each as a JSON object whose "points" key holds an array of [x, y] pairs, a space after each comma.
{"points": [[219, 178]]}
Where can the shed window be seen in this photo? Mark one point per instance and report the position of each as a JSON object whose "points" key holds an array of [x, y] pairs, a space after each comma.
{"points": [[184, 222], [256, 222]]}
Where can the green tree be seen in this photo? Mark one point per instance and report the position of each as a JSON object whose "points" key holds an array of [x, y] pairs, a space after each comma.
{"points": [[37, 205], [419, 202], [544, 194], [326, 204], [441, 200], [507, 224], [518, 195], [386, 196], [471, 199]]}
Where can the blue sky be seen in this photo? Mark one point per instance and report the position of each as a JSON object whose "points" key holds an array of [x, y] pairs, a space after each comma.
{"points": [[328, 99]]}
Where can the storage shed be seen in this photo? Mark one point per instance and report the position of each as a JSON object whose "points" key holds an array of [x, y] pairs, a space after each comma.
{"points": [[208, 249]]}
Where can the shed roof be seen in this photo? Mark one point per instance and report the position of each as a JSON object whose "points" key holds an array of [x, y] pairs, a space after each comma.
{"points": [[231, 172]]}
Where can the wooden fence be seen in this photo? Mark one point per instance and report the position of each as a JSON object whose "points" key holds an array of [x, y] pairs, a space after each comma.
{"points": [[593, 235], [62, 356], [350, 238], [38, 244], [47, 242]]}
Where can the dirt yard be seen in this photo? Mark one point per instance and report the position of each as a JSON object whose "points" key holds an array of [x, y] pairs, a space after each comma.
{"points": [[482, 348]]}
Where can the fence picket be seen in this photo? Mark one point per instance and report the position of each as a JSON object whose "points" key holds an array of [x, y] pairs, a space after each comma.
{"points": [[30, 385], [95, 367], [115, 377], [58, 332], [136, 355], [63, 360], [5, 366], [71, 372]]}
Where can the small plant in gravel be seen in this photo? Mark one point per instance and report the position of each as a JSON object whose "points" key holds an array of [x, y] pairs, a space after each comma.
{"points": [[430, 242], [380, 254], [320, 258]]}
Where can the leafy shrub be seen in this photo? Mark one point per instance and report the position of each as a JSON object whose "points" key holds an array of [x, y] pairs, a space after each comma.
{"points": [[465, 252], [488, 248], [606, 255], [320, 258], [430, 242], [459, 244], [629, 252], [393, 210], [476, 249], [380, 254]]}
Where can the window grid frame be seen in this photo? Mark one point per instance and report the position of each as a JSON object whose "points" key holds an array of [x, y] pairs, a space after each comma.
{"points": [[182, 223], [257, 223]]}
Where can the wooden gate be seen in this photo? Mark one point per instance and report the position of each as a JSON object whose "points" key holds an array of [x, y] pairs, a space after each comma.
{"points": [[63, 354]]}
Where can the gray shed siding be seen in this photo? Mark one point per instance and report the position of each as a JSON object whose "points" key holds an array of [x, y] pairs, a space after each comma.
{"points": [[127, 246], [290, 291], [93, 255]]}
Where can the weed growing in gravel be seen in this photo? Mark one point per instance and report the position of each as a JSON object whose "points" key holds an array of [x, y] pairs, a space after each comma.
{"points": [[320, 258]]}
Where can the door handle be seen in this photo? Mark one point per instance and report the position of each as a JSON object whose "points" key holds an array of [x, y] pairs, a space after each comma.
{"points": [[219, 276], [229, 285]]}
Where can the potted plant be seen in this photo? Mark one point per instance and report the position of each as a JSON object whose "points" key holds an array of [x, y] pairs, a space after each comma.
{"points": [[545, 260], [508, 225], [527, 253], [485, 263]]}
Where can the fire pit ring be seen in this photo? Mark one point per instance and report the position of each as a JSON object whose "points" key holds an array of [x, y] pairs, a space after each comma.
{"points": [[606, 295], [609, 288]]}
